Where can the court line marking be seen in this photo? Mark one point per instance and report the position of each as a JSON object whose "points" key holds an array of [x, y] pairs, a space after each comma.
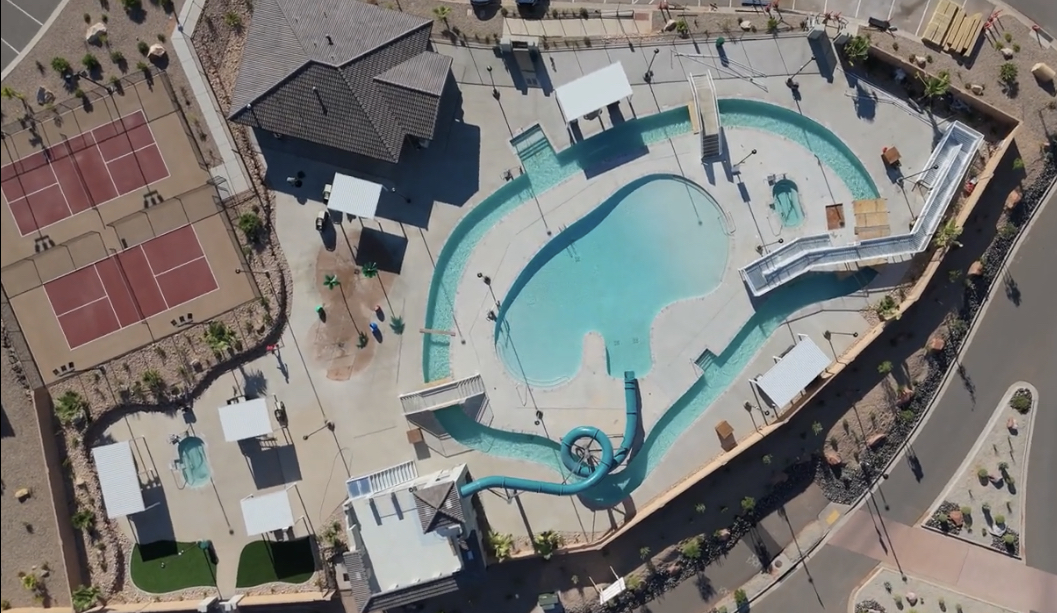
{"points": [[65, 200], [216, 284], [107, 292], [105, 296], [146, 258], [10, 46], [857, 7], [36, 192], [128, 291], [23, 11], [187, 263]]}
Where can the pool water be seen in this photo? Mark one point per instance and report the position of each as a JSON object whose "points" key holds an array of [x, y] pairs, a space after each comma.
{"points": [[658, 240], [544, 169], [787, 203], [193, 462]]}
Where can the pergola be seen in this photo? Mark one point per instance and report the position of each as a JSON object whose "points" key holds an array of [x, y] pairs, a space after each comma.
{"points": [[355, 197], [593, 92], [793, 372], [266, 513], [245, 420], [118, 480]]}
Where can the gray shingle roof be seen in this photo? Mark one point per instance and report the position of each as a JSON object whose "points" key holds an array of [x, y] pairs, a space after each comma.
{"points": [[438, 506], [367, 597], [341, 73]]}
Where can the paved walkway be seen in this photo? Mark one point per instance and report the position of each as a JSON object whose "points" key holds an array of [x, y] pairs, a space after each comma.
{"points": [[967, 568]]}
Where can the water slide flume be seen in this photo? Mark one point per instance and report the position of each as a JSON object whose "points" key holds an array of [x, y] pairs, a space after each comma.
{"points": [[576, 465]]}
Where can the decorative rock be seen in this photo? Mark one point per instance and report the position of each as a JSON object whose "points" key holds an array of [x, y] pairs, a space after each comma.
{"points": [[956, 518], [920, 60], [746, 25], [1012, 200], [833, 459], [157, 52], [876, 440], [912, 598], [976, 269], [937, 344], [44, 96], [723, 534], [1011, 425], [668, 27], [977, 88], [905, 396], [1007, 53], [22, 494], [96, 33]]}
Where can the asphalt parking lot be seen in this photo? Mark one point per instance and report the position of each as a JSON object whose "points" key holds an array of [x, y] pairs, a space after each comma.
{"points": [[19, 22]]}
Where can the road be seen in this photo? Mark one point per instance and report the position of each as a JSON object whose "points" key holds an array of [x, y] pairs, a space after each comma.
{"points": [[1011, 343], [19, 22], [1043, 12]]}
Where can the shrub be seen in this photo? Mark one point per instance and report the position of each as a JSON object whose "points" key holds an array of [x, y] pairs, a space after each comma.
{"points": [[90, 62], [85, 597], [1018, 164], [1021, 401], [772, 25], [983, 473], [117, 57], [884, 367], [1009, 539], [966, 511], [83, 519], [546, 543], [1000, 519], [1003, 466], [691, 549], [1008, 73], [87, 18], [942, 518], [232, 19], [142, 47], [1008, 36], [748, 504], [143, 66], [644, 553], [741, 597], [60, 65], [70, 407], [986, 507], [1016, 48], [132, 6], [251, 225], [501, 545]]}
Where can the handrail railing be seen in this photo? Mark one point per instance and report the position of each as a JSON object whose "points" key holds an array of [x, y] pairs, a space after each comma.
{"points": [[952, 157]]}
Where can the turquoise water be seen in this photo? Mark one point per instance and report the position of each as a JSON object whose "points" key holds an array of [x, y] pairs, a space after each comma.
{"points": [[543, 170], [787, 203], [658, 240], [719, 373], [193, 463], [806, 132]]}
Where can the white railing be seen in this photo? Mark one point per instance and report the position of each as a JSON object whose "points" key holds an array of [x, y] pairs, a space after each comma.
{"points": [[952, 157], [442, 396]]}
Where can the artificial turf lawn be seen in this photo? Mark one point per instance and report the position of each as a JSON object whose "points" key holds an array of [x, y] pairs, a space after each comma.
{"points": [[159, 567], [284, 561]]}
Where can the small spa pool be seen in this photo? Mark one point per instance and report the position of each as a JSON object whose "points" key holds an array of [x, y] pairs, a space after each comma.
{"points": [[787, 203], [193, 463]]}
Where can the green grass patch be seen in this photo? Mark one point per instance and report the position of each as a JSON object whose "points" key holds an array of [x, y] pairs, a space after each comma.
{"points": [[167, 566], [284, 561]]}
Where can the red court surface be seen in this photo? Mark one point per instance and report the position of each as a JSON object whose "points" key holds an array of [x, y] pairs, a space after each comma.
{"points": [[81, 172], [140, 282]]}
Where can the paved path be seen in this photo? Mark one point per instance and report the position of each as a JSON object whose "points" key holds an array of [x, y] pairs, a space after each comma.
{"points": [[973, 570], [1011, 343], [20, 20]]}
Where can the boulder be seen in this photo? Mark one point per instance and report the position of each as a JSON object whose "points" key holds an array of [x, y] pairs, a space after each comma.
{"points": [[956, 518], [1011, 424], [936, 343], [745, 25], [44, 96], [96, 34], [1012, 200], [670, 26], [977, 88], [723, 534], [1007, 53], [833, 459], [912, 598], [157, 52], [22, 494], [876, 440], [920, 60], [976, 269]]}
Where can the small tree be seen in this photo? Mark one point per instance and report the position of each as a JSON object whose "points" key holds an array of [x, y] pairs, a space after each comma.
{"points": [[1007, 74], [857, 49], [442, 13], [85, 597], [936, 86], [60, 65], [83, 519], [947, 236], [251, 225], [748, 504], [817, 428], [691, 549], [884, 367], [70, 407], [644, 553], [370, 270]]}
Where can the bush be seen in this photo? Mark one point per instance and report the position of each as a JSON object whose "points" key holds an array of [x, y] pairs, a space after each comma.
{"points": [[983, 473], [251, 225], [232, 19], [740, 597], [142, 47], [1008, 73], [691, 549], [1000, 519], [132, 6], [60, 65], [117, 57], [1021, 401], [1009, 539], [90, 62]]}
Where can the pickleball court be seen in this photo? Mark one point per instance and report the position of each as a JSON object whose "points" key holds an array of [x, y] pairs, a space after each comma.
{"points": [[82, 172], [138, 283]]}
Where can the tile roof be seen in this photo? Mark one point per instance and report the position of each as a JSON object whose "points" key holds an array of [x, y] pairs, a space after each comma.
{"points": [[365, 591], [439, 506], [341, 73]]}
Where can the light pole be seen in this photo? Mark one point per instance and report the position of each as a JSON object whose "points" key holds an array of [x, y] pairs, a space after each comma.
{"points": [[742, 161], [491, 77], [648, 76], [933, 167], [488, 281]]}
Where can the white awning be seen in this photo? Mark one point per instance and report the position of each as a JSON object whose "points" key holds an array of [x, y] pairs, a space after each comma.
{"points": [[246, 419], [593, 92], [354, 196], [266, 513], [793, 372], [118, 479]]}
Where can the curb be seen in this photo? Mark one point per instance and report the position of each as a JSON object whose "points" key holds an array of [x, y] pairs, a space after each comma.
{"points": [[36, 38]]}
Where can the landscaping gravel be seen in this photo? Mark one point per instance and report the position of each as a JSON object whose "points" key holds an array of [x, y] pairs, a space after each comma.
{"points": [[117, 55], [28, 534], [886, 592], [972, 505]]}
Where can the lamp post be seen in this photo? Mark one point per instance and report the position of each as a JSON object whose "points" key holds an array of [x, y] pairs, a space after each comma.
{"points": [[648, 76], [742, 161], [488, 281], [933, 167], [491, 77]]}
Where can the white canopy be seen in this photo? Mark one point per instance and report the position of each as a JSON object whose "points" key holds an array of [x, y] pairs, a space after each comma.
{"points": [[267, 512], [354, 196], [246, 419], [118, 479], [793, 372], [593, 92]]}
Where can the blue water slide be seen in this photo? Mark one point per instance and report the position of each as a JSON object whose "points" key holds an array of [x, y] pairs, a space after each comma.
{"points": [[589, 474]]}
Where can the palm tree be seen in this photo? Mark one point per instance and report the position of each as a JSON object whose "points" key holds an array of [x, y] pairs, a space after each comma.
{"points": [[370, 269], [219, 337], [70, 407], [251, 225], [85, 597], [83, 519], [397, 324], [330, 281], [442, 13], [937, 86], [857, 49]]}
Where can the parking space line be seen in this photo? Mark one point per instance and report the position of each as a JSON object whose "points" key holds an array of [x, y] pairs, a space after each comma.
{"points": [[857, 7], [9, 45], [921, 22], [892, 9], [23, 11]]}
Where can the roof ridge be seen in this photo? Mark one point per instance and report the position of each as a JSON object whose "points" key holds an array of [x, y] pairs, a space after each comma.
{"points": [[288, 22], [370, 117]]}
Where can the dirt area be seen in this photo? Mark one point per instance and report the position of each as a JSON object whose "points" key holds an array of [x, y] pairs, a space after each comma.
{"points": [[116, 53], [28, 532]]}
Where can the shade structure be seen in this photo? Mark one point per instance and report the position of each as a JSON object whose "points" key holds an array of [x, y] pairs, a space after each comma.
{"points": [[593, 91], [793, 372], [264, 513], [353, 196], [245, 420], [118, 479]]}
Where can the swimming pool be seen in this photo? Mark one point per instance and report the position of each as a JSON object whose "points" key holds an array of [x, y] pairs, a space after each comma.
{"points": [[787, 203], [193, 462], [545, 169], [658, 240]]}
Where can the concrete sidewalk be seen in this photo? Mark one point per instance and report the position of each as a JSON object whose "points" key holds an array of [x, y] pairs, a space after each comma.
{"points": [[970, 569]]}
